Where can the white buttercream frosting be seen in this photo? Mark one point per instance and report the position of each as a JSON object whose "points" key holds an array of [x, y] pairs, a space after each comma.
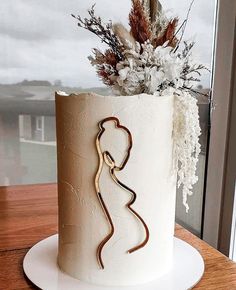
{"points": [[82, 224]]}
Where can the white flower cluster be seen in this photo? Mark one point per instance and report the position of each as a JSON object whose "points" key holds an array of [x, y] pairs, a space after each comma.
{"points": [[146, 69], [187, 148]]}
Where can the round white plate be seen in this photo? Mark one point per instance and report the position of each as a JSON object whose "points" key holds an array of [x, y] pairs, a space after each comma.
{"points": [[40, 266]]}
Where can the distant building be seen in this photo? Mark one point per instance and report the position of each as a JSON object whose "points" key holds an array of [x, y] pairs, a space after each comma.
{"points": [[37, 128]]}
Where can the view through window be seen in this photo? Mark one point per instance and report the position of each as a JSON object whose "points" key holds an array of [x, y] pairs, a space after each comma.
{"points": [[43, 51]]}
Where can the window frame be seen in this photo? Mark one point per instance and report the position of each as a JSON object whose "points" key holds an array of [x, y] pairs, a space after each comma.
{"points": [[216, 205]]}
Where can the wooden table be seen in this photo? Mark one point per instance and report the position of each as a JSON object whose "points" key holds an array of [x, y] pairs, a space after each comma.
{"points": [[28, 214]]}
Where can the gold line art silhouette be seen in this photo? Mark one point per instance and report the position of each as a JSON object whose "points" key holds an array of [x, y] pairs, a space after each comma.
{"points": [[106, 157]]}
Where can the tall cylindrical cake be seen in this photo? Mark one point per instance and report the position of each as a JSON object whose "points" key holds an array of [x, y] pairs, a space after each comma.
{"points": [[116, 187]]}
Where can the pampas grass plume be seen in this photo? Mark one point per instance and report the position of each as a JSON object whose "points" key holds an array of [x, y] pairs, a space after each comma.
{"points": [[124, 35]]}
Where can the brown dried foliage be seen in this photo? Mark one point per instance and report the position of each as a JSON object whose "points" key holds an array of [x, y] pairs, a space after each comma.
{"points": [[102, 30], [139, 22], [104, 76], [168, 35], [110, 58], [106, 65]]}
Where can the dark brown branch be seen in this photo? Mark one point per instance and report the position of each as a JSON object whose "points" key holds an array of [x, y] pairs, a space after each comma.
{"points": [[184, 25], [103, 31], [196, 92]]}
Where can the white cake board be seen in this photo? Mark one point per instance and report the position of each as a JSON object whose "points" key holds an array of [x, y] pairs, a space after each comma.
{"points": [[40, 266]]}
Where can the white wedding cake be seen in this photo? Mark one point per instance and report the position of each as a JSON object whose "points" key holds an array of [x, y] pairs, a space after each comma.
{"points": [[83, 223], [119, 157]]}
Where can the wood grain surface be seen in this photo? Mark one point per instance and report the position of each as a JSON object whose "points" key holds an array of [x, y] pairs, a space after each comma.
{"points": [[29, 213]]}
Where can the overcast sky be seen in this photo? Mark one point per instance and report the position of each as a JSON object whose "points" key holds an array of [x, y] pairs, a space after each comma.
{"points": [[40, 40]]}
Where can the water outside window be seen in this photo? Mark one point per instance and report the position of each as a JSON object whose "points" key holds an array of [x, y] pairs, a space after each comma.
{"points": [[43, 51]]}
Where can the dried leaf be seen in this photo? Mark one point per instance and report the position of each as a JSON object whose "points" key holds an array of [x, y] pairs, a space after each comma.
{"points": [[98, 57], [105, 64], [168, 36], [155, 10], [139, 22], [110, 58], [104, 76]]}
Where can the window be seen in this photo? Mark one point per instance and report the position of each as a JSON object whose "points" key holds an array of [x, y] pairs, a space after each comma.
{"points": [[43, 51], [39, 123]]}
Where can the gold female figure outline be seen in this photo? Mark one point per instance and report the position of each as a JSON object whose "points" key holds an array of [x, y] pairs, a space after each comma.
{"points": [[109, 160]]}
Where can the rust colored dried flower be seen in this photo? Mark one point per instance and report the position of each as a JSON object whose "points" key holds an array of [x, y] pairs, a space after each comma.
{"points": [[107, 58], [104, 76], [110, 58], [105, 64], [168, 35], [139, 22]]}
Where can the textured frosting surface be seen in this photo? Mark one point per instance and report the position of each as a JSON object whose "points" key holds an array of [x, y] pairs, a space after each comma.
{"points": [[82, 224]]}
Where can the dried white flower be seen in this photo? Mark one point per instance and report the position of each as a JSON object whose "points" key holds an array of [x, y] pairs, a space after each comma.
{"points": [[146, 69], [187, 148]]}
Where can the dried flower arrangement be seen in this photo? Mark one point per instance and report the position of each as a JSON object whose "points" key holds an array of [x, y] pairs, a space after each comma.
{"points": [[152, 58], [147, 58]]}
